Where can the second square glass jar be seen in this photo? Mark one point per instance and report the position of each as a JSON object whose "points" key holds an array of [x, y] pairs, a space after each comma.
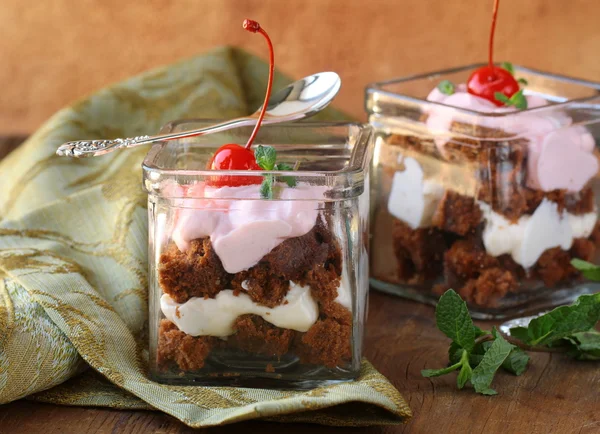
{"points": [[252, 291], [494, 204]]}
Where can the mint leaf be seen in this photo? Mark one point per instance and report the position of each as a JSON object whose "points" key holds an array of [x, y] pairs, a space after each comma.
{"points": [[455, 352], [589, 270], [484, 373], [266, 188], [453, 319], [584, 345], [520, 333], [283, 167], [465, 370], [479, 332], [518, 100], [509, 67], [265, 156], [565, 320], [516, 362], [446, 87], [501, 97], [522, 81], [289, 180], [437, 372]]}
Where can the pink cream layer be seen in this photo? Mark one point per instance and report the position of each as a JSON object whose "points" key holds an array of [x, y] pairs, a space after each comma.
{"points": [[242, 227], [560, 154]]}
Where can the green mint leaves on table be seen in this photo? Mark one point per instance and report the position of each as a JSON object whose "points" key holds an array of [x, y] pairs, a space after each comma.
{"points": [[266, 158], [478, 354], [518, 100], [446, 87]]}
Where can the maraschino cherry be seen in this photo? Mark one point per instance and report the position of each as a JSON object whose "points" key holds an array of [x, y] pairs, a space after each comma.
{"points": [[236, 157], [489, 79]]}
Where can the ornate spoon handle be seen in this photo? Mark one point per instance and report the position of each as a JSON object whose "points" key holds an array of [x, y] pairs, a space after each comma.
{"points": [[93, 148]]}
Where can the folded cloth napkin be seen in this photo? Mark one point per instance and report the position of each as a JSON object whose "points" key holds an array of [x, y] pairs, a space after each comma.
{"points": [[73, 280]]}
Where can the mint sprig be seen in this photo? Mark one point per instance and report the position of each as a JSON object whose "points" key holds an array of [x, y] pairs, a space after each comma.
{"points": [[564, 321], [446, 87], [471, 352], [589, 270], [266, 157], [509, 67], [479, 354], [492, 360], [453, 319], [518, 100]]}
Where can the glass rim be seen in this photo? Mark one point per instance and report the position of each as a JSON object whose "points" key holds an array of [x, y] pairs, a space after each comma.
{"points": [[379, 87], [358, 142]]}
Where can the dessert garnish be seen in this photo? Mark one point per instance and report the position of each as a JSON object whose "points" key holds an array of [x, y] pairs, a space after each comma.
{"points": [[496, 84], [478, 354], [236, 157], [266, 157], [446, 87]]}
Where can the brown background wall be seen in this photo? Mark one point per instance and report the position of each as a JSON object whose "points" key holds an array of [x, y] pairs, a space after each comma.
{"points": [[55, 51]]}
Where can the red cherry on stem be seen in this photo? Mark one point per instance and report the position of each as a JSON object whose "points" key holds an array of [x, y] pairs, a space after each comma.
{"points": [[236, 157], [487, 80]]}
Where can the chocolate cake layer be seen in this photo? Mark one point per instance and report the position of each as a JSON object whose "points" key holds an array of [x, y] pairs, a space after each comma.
{"points": [[450, 253], [314, 259]]}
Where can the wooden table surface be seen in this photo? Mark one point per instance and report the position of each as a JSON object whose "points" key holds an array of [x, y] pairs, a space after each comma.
{"points": [[556, 395]]}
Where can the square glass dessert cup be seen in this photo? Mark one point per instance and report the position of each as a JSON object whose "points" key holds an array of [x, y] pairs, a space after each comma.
{"points": [[256, 292], [493, 202]]}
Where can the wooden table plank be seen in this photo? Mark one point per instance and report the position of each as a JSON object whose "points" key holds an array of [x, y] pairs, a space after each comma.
{"points": [[556, 395]]}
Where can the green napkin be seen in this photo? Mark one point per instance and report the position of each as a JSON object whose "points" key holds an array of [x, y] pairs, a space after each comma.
{"points": [[73, 280]]}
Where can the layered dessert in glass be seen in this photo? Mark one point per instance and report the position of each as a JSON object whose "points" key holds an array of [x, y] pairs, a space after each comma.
{"points": [[258, 289], [492, 201]]}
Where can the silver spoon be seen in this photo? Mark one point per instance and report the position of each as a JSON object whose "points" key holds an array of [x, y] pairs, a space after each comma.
{"points": [[298, 100]]}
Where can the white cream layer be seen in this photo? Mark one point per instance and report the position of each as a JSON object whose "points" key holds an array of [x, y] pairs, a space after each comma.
{"points": [[531, 235], [414, 201], [216, 316]]}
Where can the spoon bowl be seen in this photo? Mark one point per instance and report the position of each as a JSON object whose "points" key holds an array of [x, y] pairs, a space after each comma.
{"points": [[299, 100]]}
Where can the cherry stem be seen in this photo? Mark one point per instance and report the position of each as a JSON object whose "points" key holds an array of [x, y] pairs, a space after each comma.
{"points": [[492, 31], [254, 27]]}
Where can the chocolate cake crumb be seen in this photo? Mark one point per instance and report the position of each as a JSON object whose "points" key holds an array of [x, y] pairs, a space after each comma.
{"points": [[197, 272], [327, 342], [261, 285], [583, 248], [294, 256], [489, 287], [465, 260], [554, 266], [187, 352], [595, 237], [419, 252], [256, 336], [457, 213]]}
